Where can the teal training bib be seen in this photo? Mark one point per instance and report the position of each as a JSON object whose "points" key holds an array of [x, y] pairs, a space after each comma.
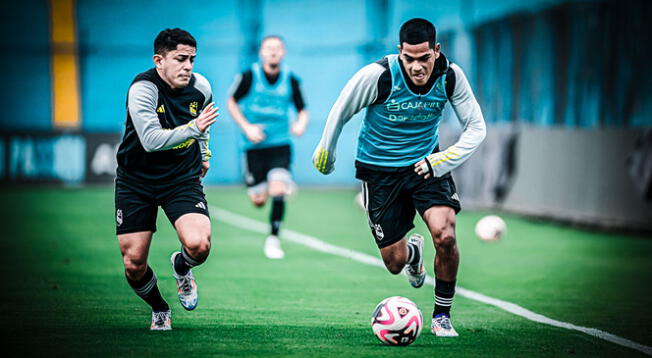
{"points": [[268, 105], [405, 128]]}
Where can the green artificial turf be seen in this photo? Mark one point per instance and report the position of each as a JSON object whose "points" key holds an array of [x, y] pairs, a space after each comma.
{"points": [[64, 292]]}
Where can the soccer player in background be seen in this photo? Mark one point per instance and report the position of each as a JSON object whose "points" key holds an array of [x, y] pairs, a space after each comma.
{"points": [[259, 102], [161, 160], [399, 160]]}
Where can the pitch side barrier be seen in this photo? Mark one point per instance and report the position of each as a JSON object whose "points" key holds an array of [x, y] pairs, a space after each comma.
{"points": [[66, 158]]}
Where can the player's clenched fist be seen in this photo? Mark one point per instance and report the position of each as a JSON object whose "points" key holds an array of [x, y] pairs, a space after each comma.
{"points": [[254, 133], [323, 160]]}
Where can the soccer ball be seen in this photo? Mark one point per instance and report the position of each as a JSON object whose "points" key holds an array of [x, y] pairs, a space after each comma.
{"points": [[397, 321], [490, 228]]}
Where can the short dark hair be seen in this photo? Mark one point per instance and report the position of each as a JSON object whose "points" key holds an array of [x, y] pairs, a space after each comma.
{"points": [[268, 37], [416, 31], [168, 39]]}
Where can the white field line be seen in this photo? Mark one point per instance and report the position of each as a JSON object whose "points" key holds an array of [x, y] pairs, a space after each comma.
{"points": [[249, 224]]}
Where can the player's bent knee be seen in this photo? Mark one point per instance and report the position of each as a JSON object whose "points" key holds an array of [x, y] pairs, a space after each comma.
{"points": [[277, 188], [199, 246], [393, 265], [134, 269], [394, 268], [258, 200]]}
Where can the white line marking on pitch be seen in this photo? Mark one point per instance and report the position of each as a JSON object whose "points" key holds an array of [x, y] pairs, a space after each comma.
{"points": [[249, 224]]}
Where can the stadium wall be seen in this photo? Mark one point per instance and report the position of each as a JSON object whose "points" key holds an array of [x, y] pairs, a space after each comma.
{"points": [[538, 65], [597, 179], [579, 176]]}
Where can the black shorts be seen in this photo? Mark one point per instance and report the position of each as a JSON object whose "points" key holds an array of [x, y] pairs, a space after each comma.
{"points": [[393, 195], [136, 204], [261, 161]]}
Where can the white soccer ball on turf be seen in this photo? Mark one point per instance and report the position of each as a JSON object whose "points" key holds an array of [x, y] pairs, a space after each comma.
{"points": [[397, 321], [490, 228]]}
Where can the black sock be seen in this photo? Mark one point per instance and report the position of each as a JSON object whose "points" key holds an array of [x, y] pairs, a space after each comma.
{"points": [[276, 216], [413, 254], [444, 292], [184, 262], [147, 289]]}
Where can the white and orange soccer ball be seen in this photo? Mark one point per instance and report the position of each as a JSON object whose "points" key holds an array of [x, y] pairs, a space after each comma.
{"points": [[490, 228], [397, 321]]}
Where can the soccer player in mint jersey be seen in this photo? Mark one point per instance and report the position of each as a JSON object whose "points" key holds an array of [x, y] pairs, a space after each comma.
{"points": [[399, 161], [259, 103], [161, 160]]}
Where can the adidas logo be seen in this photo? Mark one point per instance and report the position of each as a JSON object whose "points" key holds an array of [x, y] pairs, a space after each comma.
{"points": [[455, 197], [201, 205], [160, 109]]}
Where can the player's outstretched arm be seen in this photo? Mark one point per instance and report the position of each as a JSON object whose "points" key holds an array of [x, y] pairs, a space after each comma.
{"points": [[359, 92], [470, 116], [142, 100]]}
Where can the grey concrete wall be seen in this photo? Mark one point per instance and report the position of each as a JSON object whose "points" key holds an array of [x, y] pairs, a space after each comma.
{"points": [[565, 174]]}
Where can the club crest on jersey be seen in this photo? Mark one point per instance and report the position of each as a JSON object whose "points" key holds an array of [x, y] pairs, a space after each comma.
{"points": [[192, 107]]}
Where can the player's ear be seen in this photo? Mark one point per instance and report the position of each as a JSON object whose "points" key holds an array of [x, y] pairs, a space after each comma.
{"points": [[399, 48], [158, 60], [437, 50]]}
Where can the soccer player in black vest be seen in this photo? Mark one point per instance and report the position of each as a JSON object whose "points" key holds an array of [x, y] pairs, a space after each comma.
{"points": [[161, 160]]}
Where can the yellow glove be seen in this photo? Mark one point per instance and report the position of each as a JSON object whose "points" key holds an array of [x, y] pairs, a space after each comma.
{"points": [[323, 160]]}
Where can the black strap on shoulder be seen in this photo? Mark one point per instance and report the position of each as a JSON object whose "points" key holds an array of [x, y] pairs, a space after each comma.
{"points": [[244, 85], [450, 82]]}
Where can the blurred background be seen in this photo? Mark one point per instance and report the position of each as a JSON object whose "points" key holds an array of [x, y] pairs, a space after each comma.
{"points": [[565, 87]]}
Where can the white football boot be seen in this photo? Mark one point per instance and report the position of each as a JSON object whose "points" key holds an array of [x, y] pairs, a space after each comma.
{"points": [[416, 273], [161, 321], [273, 248], [442, 326], [186, 287]]}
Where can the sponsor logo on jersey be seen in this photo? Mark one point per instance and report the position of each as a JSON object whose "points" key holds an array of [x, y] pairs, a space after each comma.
{"points": [[185, 144], [419, 117], [201, 205], [394, 106], [455, 197], [192, 107], [161, 109]]}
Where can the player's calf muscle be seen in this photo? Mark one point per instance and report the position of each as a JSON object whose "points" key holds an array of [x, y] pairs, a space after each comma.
{"points": [[394, 257]]}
